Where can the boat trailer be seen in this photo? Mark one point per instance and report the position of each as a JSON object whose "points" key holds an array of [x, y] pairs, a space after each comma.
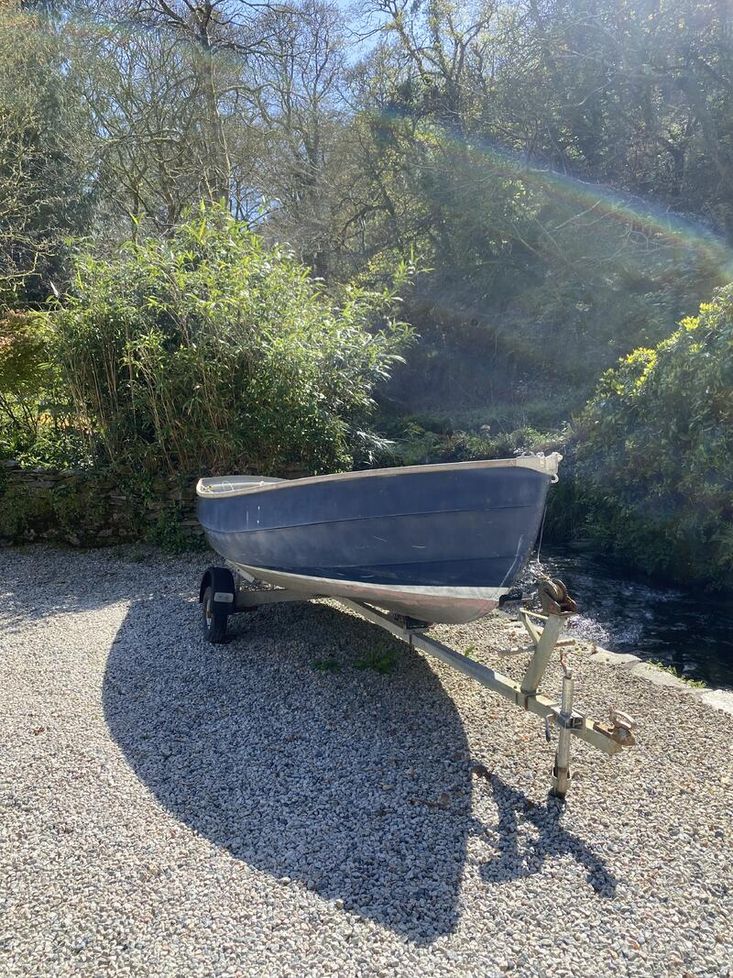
{"points": [[224, 593]]}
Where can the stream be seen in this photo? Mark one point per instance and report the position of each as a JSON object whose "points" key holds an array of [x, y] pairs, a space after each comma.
{"points": [[690, 631]]}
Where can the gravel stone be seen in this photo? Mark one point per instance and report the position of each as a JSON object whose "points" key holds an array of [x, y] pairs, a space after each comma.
{"points": [[173, 808]]}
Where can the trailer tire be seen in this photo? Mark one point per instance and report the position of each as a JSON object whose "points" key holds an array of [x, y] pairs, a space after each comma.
{"points": [[214, 619]]}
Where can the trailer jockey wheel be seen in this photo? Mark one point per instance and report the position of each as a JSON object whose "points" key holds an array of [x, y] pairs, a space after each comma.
{"points": [[554, 598], [214, 620]]}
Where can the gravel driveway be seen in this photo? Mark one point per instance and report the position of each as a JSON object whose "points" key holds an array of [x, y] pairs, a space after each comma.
{"points": [[271, 807]]}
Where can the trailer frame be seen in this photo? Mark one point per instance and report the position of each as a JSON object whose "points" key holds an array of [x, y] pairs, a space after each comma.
{"points": [[224, 593]]}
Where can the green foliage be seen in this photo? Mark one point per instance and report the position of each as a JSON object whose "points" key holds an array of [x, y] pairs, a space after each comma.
{"points": [[23, 513], [422, 439], [74, 511], [25, 376], [46, 189], [532, 161], [383, 658], [57, 445], [79, 510], [695, 683], [36, 427], [23, 354], [207, 352], [326, 665], [533, 196], [170, 534], [655, 451]]}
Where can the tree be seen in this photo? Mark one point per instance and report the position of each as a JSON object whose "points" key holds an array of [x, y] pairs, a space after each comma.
{"points": [[302, 116], [45, 189]]}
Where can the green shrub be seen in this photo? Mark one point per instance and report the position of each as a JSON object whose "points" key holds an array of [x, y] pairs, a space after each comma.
{"points": [[655, 451], [26, 375], [36, 421], [208, 352], [417, 445], [170, 534], [55, 446]]}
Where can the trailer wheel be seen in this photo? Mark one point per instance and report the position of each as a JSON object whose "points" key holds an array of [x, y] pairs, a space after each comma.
{"points": [[214, 620]]}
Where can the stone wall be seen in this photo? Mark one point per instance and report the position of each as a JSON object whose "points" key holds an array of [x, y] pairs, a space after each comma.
{"points": [[88, 508]]}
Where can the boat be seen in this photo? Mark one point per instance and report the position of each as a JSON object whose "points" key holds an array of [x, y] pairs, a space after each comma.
{"points": [[435, 543], [427, 543]]}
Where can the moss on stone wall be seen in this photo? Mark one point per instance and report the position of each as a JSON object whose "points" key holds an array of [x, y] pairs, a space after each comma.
{"points": [[95, 508]]}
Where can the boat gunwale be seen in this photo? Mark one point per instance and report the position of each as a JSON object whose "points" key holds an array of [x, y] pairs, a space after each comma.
{"points": [[206, 488]]}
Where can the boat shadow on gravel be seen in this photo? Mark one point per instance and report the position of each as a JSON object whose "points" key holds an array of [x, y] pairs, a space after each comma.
{"points": [[279, 748]]}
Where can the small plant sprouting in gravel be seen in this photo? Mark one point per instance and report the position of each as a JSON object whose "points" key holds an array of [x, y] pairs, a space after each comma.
{"points": [[134, 554], [469, 651], [382, 659], [326, 665]]}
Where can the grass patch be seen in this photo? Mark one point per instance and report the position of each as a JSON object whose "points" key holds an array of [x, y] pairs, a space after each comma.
{"points": [[326, 665], [383, 660]]}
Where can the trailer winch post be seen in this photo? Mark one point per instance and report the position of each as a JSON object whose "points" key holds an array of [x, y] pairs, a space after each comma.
{"points": [[544, 641]]}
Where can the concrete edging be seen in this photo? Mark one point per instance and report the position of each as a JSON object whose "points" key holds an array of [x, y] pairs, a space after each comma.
{"points": [[719, 699]]}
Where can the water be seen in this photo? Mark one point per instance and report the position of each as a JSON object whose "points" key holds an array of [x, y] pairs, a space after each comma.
{"points": [[690, 631]]}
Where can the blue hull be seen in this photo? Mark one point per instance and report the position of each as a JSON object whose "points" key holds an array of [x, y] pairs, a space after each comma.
{"points": [[460, 532]]}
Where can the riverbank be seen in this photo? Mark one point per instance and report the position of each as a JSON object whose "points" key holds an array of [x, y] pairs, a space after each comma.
{"points": [[687, 631], [276, 806]]}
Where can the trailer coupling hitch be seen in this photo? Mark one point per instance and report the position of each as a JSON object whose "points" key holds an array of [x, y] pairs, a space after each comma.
{"points": [[620, 728]]}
